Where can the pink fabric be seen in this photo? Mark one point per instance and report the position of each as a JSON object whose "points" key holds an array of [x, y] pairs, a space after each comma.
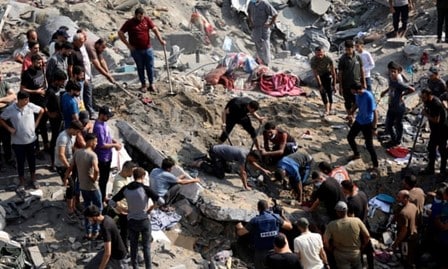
{"points": [[280, 84]]}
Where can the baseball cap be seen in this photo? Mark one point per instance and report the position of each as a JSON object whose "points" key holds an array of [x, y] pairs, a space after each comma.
{"points": [[341, 206], [303, 223], [433, 71], [62, 32], [105, 110]]}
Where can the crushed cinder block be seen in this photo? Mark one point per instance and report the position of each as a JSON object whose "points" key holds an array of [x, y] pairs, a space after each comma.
{"points": [[36, 256], [396, 42], [57, 194]]}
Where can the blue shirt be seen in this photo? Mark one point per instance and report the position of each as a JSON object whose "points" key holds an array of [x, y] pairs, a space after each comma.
{"points": [[161, 181], [69, 106], [291, 168], [366, 107]]}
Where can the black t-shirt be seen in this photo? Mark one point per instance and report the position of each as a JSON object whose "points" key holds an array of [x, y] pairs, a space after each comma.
{"points": [[283, 261], [435, 109], [238, 107], [76, 58], [110, 233], [329, 194], [33, 79], [53, 99], [358, 205]]}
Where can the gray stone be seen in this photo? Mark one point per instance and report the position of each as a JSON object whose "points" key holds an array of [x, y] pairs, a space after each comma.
{"points": [[185, 40], [127, 5], [188, 211], [76, 245], [57, 194], [301, 3], [396, 42], [36, 256], [319, 7], [412, 52]]}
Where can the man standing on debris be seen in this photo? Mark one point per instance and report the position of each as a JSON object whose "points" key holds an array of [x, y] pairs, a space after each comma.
{"points": [[59, 60], [282, 256], [140, 45], [309, 247], [137, 196], [7, 97], [31, 35], [435, 83], [263, 229], [282, 142], [104, 147], [347, 236], [416, 195], [407, 234], [85, 162], [69, 103], [325, 75], [400, 10], [350, 71], [95, 52], [365, 122], [63, 154], [297, 167], [237, 111], [367, 61], [113, 255], [442, 17], [397, 107], [32, 81], [438, 123], [262, 16], [21, 115], [165, 184], [123, 178]]}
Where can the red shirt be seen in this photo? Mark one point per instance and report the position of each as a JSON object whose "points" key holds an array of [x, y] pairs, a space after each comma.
{"points": [[138, 32]]}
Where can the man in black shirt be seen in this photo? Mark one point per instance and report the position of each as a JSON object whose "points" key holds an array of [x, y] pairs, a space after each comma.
{"points": [[282, 257], [437, 118], [33, 82], [54, 94], [237, 111], [114, 253]]}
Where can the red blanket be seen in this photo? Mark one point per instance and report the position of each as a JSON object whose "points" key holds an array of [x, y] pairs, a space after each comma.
{"points": [[280, 84]]}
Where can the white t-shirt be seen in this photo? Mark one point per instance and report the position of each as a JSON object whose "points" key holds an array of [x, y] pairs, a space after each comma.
{"points": [[23, 121], [367, 62], [308, 245]]}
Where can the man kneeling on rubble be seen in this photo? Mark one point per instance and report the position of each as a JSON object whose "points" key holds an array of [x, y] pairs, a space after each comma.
{"points": [[221, 154]]}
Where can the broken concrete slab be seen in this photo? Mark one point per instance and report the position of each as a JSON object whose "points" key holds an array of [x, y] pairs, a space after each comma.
{"points": [[396, 42], [136, 139], [127, 5], [319, 7], [185, 40], [36, 257]]}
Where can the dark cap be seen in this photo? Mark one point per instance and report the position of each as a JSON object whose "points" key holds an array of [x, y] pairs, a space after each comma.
{"points": [[105, 110], [303, 223], [341, 206], [62, 32]]}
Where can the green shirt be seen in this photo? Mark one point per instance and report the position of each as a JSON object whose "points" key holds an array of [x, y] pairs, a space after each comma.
{"points": [[322, 65]]}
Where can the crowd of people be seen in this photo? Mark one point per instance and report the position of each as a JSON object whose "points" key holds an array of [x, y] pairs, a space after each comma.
{"points": [[56, 91]]}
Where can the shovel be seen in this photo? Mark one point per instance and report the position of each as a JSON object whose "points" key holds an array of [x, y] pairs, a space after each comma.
{"points": [[171, 93]]}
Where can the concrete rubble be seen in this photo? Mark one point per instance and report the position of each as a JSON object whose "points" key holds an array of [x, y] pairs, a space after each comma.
{"points": [[209, 209]]}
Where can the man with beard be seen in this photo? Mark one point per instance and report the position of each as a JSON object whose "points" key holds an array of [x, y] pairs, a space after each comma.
{"points": [[33, 83], [69, 103], [95, 50], [59, 60], [436, 115]]}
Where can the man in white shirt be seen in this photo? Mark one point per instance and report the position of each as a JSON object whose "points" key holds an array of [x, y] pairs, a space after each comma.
{"points": [[309, 247], [367, 62]]}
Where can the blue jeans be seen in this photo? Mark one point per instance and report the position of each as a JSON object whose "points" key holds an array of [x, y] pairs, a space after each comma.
{"points": [[369, 84], [144, 59], [137, 228], [92, 198], [25, 152]]}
